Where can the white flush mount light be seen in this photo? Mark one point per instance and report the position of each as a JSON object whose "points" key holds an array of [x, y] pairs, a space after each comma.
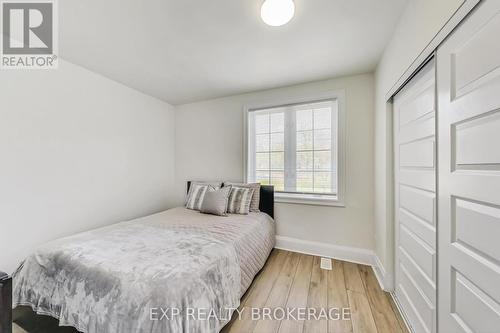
{"points": [[277, 12]]}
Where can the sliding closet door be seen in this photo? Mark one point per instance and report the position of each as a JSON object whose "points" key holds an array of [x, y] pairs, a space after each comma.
{"points": [[469, 174], [415, 199]]}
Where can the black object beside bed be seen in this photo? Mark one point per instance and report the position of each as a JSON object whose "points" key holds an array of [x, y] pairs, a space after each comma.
{"points": [[5, 303], [266, 204]]}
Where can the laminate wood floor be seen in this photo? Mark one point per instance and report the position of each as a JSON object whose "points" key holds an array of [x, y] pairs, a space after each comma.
{"points": [[290, 281]]}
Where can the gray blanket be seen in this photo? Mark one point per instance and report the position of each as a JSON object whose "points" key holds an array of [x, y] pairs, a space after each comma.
{"points": [[175, 271]]}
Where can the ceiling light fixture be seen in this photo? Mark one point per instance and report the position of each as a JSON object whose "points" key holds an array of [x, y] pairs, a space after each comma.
{"points": [[277, 12]]}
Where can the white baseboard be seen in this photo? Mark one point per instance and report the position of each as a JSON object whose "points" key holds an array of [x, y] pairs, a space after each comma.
{"points": [[345, 253], [384, 278], [401, 312]]}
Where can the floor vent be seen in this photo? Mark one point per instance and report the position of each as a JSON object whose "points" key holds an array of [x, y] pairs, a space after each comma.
{"points": [[326, 263]]}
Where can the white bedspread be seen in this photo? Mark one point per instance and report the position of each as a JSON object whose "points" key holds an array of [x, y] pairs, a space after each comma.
{"points": [[112, 279]]}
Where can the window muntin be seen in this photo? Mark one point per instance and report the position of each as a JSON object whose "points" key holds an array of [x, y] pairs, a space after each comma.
{"points": [[294, 147], [269, 152]]}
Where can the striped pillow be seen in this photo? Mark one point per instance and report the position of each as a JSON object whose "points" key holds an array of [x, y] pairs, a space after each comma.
{"points": [[254, 204], [239, 200], [196, 195]]}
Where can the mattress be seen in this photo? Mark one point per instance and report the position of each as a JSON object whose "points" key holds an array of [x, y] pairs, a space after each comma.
{"points": [[174, 271]]}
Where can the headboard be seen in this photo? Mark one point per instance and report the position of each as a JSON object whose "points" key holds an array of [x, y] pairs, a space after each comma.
{"points": [[5, 302], [266, 204]]}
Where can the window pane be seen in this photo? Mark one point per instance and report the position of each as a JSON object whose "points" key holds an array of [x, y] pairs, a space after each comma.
{"points": [[262, 177], [278, 161], [322, 139], [262, 142], [304, 120], [278, 180], [322, 182], [322, 118], [262, 161], [305, 140], [305, 160], [277, 142], [262, 123], [277, 122], [312, 153], [334, 182], [322, 160], [304, 181]]}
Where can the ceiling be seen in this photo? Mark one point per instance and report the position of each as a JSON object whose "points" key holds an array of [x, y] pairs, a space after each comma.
{"points": [[188, 50]]}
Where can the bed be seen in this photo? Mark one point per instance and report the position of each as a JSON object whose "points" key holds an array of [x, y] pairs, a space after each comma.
{"points": [[174, 271]]}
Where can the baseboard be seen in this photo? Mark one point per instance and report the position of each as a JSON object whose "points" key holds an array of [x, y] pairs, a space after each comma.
{"points": [[401, 312], [384, 278], [345, 253]]}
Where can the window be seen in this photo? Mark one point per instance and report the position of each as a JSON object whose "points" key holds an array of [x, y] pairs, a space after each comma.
{"points": [[295, 147]]}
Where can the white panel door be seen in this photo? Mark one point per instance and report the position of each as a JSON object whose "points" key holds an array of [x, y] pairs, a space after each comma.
{"points": [[468, 66], [415, 199]]}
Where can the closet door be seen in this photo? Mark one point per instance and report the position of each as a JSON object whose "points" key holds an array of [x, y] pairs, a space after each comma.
{"points": [[469, 174], [415, 199]]}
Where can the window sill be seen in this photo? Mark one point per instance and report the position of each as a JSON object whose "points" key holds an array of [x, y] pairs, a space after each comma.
{"points": [[308, 199]]}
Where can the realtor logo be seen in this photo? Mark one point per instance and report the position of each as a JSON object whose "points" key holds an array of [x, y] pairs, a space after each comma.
{"points": [[28, 34]]}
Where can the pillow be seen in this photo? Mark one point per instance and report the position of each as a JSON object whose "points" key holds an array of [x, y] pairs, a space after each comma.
{"points": [[215, 201], [254, 204], [239, 200], [213, 184], [197, 192]]}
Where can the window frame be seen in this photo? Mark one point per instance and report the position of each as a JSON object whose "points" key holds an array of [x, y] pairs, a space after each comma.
{"points": [[300, 198]]}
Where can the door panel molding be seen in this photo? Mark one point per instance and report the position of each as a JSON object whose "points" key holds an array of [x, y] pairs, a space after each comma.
{"points": [[468, 67], [415, 200]]}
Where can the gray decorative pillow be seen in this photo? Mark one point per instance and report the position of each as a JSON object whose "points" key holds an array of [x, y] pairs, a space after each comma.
{"points": [[196, 194], [239, 200], [255, 202], [215, 201]]}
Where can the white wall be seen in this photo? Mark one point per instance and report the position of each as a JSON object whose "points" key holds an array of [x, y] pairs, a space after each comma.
{"points": [[209, 145], [77, 151], [420, 22]]}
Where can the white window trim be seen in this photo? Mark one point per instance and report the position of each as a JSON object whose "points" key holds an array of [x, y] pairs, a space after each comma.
{"points": [[306, 199]]}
